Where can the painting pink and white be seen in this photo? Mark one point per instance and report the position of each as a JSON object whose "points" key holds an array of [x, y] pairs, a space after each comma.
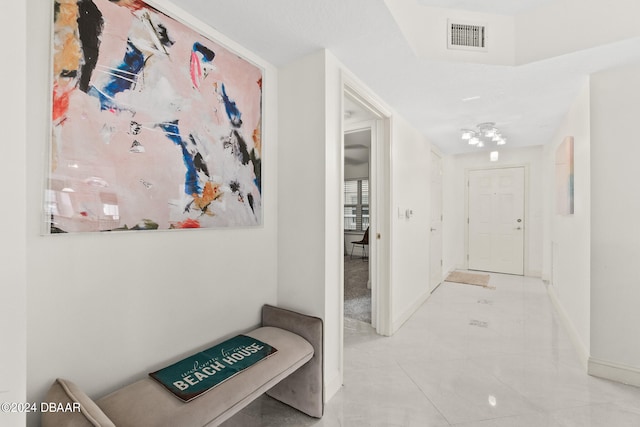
{"points": [[154, 126], [564, 177]]}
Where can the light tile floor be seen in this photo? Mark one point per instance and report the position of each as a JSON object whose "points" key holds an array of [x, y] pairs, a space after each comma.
{"points": [[469, 357]]}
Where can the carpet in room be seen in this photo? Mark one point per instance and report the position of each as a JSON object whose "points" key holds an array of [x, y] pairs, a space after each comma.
{"points": [[357, 298]]}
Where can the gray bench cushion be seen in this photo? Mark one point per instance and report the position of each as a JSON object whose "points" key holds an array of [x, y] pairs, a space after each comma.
{"points": [[147, 403]]}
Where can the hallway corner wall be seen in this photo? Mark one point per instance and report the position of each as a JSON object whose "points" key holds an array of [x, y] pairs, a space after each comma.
{"points": [[566, 249], [13, 217], [615, 235]]}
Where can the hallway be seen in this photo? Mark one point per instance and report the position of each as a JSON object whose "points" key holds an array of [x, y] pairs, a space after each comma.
{"points": [[470, 357]]}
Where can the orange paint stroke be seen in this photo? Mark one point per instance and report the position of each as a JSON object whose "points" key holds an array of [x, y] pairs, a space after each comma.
{"points": [[210, 193]]}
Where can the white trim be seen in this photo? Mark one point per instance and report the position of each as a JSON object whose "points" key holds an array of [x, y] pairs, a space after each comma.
{"points": [[332, 386], [583, 352], [359, 126], [379, 208], [436, 153], [397, 324], [614, 371]]}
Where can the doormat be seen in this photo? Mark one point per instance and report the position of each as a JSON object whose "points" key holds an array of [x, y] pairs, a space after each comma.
{"points": [[195, 375], [469, 279]]}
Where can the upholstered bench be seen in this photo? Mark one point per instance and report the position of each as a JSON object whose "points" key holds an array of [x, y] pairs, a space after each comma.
{"points": [[293, 375]]}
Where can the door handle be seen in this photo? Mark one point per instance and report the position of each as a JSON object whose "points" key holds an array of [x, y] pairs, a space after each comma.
{"points": [[518, 228], [433, 229]]}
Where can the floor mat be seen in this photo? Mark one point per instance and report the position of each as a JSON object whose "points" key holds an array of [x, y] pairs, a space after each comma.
{"points": [[469, 279]]}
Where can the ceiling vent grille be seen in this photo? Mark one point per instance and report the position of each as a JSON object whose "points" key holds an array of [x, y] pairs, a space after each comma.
{"points": [[467, 36]]}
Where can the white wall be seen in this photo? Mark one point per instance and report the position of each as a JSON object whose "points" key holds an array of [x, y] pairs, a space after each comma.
{"points": [[13, 215], [301, 174], [410, 189], [334, 240], [455, 196], [615, 235], [309, 240], [567, 238], [106, 308]]}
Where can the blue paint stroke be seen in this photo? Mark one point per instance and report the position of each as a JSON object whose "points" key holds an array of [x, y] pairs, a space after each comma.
{"points": [[191, 185], [207, 54], [122, 78], [232, 110]]}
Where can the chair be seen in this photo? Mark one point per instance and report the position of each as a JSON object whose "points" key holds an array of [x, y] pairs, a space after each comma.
{"points": [[364, 242]]}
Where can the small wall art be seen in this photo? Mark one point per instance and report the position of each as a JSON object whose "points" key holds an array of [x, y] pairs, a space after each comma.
{"points": [[564, 177], [154, 126]]}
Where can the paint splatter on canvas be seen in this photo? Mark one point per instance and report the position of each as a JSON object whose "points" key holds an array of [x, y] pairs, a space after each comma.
{"points": [[564, 177], [154, 126]]}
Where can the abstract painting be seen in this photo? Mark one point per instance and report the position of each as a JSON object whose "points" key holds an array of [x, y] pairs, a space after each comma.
{"points": [[154, 126], [564, 177]]}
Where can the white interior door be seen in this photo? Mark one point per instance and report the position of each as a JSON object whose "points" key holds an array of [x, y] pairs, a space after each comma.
{"points": [[496, 220], [436, 222]]}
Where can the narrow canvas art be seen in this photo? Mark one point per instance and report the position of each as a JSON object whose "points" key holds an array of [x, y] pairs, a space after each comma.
{"points": [[154, 126], [564, 177]]}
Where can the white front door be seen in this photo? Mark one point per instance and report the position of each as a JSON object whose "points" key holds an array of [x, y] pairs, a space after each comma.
{"points": [[496, 220], [436, 222]]}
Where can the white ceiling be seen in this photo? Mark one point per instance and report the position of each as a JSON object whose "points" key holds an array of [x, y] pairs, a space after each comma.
{"points": [[527, 102], [498, 7], [356, 147]]}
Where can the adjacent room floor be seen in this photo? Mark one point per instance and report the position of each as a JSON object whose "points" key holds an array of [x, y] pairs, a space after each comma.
{"points": [[470, 356], [357, 297]]}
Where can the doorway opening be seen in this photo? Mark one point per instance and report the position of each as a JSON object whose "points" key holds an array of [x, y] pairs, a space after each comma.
{"points": [[360, 134], [356, 215], [365, 173]]}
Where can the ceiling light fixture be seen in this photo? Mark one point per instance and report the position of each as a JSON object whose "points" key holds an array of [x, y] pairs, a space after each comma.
{"points": [[484, 133]]}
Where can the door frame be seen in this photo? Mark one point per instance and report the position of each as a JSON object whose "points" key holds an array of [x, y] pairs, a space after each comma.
{"points": [[379, 207], [525, 240], [437, 153]]}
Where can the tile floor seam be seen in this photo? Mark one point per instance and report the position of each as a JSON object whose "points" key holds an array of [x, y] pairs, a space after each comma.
{"points": [[424, 394]]}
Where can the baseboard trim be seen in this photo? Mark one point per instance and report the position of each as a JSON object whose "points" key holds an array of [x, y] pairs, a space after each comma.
{"points": [[533, 273], [583, 352], [614, 371], [409, 312], [332, 387]]}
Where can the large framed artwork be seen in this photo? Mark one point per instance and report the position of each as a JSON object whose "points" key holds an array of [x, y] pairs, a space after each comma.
{"points": [[154, 126], [564, 177]]}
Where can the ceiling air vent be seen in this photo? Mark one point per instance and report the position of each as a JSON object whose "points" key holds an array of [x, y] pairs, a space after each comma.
{"points": [[466, 36]]}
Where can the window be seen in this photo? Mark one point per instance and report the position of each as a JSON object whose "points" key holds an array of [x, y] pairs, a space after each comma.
{"points": [[356, 204]]}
